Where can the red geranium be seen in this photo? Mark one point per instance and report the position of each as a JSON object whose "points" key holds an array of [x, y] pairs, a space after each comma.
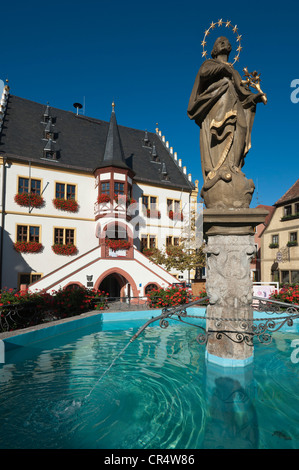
{"points": [[28, 247], [103, 198], [148, 252], [29, 199], [69, 205], [175, 215], [65, 250], [117, 244]]}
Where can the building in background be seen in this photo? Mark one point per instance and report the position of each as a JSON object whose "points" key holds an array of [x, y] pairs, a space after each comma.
{"points": [[255, 266], [81, 200], [279, 240]]}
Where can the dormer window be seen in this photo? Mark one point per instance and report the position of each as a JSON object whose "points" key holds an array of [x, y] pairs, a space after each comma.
{"points": [[146, 141], [49, 130], [49, 150], [50, 155], [164, 174], [155, 157], [46, 115]]}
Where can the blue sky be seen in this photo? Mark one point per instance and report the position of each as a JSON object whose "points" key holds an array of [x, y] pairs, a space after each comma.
{"points": [[145, 56]]}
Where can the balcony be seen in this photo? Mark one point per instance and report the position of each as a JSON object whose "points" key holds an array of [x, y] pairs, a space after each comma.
{"points": [[116, 248], [119, 207]]}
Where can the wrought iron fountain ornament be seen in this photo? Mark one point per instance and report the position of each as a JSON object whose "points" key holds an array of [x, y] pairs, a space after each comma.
{"points": [[242, 330]]}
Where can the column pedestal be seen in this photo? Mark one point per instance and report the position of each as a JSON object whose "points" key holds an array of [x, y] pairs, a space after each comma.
{"points": [[229, 251]]}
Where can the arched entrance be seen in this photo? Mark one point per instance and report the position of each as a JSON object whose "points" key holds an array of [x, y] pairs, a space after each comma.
{"points": [[112, 285], [126, 284]]}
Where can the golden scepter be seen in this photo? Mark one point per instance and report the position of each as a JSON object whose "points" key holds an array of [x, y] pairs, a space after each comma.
{"points": [[253, 79]]}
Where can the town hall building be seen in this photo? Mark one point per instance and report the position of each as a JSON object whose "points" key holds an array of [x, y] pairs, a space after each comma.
{"points": [[84, 200]]}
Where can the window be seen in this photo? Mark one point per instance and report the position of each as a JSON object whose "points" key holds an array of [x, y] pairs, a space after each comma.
{"points": [[149, 288], [287, 210], [153, 202], [143, 242], [285, 277], [29, 185], [64, 236], [152, 241], [105, 188], [275, 239], [119, 188], [28, 278], [173, 205], [65, 191], [295, 277], [145, 201], [50, 154], [28, 233], [293, 237], [117, 231], [297, 208], [175, 241], [148, 241], [150, 202]]}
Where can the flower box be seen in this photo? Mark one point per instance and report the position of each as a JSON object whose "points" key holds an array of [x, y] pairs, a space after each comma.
{"points": [[103, 198], [66, 250], [293, 243], [29, 199], [28, 247], [175, 215], [148, 252], [69, 205], [273, 245], [290, 217], [117, 244], [153, 213]]}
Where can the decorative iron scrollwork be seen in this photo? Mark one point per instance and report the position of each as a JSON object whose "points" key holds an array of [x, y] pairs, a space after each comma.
{"points": [[241, 330]]}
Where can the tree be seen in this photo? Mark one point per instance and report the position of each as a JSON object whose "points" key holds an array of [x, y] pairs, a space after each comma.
{"points": [[178, 258], [189, 254]]}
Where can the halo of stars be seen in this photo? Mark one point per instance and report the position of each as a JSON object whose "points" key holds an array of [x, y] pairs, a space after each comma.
{"points": [[227, 24]]}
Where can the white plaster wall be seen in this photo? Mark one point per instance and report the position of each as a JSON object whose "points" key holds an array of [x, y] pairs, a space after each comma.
{"points": [[47, 218], [164, 226], [86, 191], [83, 221], [140, 269]]}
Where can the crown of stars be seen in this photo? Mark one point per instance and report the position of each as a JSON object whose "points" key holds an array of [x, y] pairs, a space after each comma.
{"points": [[227, 24]]}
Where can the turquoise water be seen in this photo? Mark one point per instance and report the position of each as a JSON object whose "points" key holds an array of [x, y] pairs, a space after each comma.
{"points": [[92, 389]]}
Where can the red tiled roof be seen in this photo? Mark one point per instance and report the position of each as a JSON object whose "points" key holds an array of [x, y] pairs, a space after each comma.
{"points": [[271, 210], [291, 194]]}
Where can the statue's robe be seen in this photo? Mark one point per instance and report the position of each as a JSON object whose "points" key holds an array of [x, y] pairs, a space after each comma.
{"points": [[224, 110]]}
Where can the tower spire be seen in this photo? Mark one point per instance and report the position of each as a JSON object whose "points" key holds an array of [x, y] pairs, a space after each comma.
{"points": [[113, 154]]}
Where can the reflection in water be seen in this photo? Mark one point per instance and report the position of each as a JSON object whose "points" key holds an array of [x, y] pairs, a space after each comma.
{"points": [[231, 421], [159, 393]]}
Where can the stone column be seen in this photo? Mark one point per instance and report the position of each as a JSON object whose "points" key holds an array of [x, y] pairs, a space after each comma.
{"points": [[229, 251]]}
